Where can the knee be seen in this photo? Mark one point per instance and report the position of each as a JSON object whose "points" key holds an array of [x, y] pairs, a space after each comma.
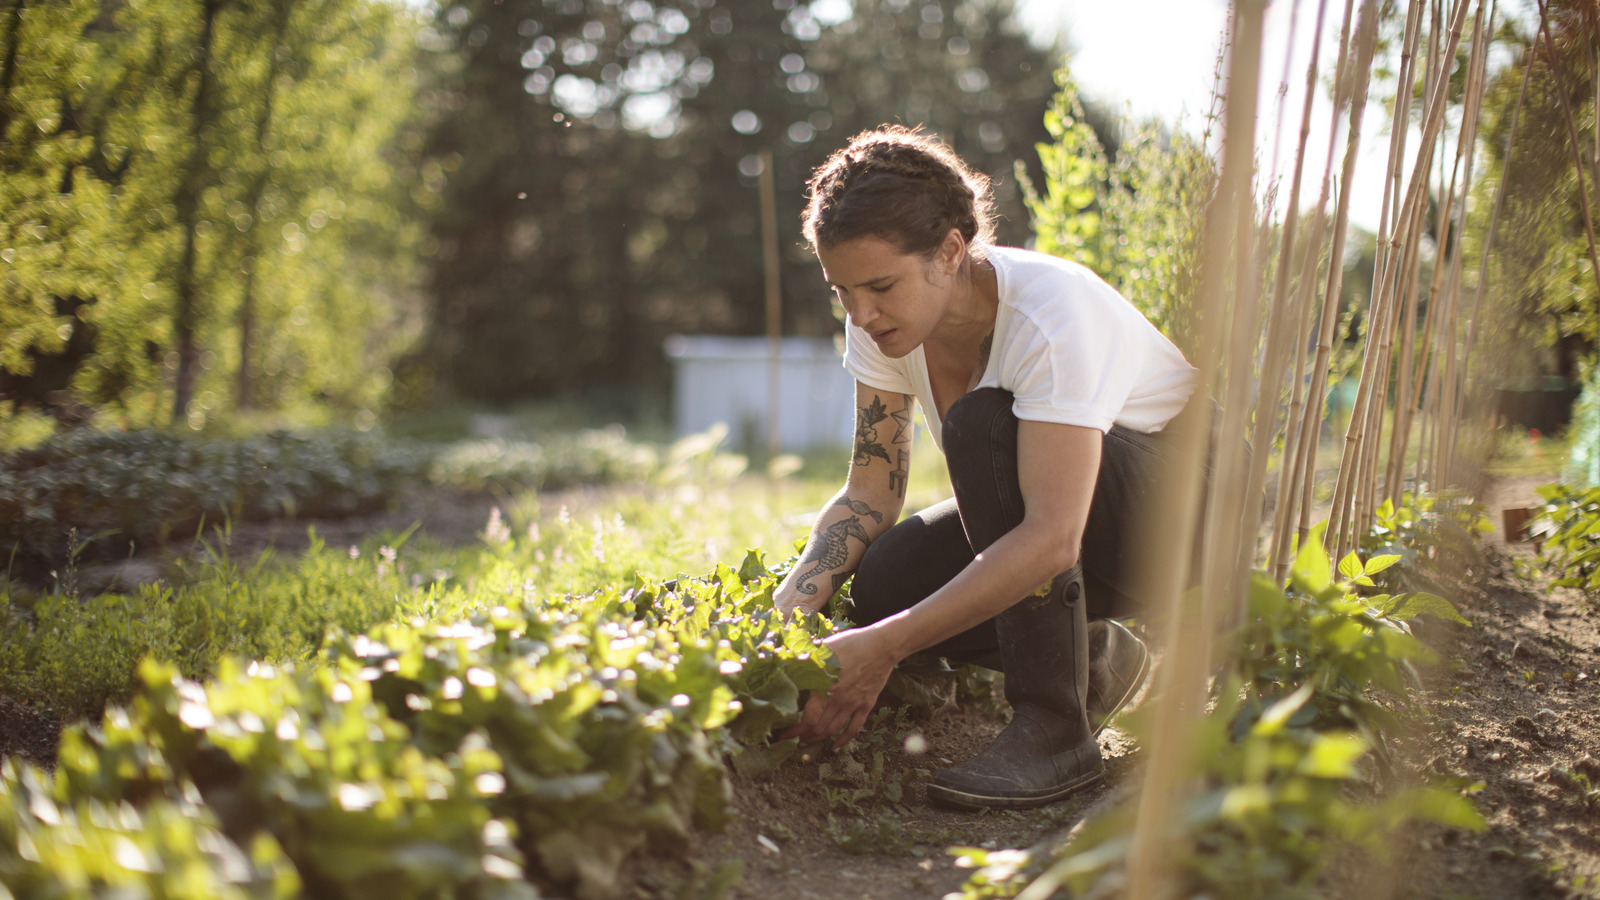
{"points": [[874, 591], [970, 422]]}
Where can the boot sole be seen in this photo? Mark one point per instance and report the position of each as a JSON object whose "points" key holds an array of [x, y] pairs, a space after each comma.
{"points": [[1133, 688], [955, 798]]}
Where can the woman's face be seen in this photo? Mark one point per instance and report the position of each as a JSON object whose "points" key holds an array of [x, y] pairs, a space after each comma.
{"points": [[898, 299]]}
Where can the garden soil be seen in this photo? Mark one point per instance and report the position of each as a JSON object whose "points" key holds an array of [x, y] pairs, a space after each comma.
{"points": [[1514, 712]]}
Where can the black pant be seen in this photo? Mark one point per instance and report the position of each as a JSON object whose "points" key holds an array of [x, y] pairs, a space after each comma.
{"points": [[920, 554]]}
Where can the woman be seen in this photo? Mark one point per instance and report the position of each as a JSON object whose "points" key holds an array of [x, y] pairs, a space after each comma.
{"points": [[1046, 390]]}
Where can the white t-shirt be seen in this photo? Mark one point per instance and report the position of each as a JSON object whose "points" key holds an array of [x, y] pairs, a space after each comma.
{"points": [[1068, 346]]}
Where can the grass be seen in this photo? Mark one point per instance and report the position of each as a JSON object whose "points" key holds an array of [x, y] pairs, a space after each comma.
{"points": [[73, 653]]}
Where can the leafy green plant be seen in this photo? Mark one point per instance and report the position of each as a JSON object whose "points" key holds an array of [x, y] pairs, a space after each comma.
{"points": [[1569, 524], [311, 761], [91, 848]]}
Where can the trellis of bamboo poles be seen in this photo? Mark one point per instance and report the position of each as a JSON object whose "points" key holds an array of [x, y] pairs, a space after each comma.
{"points": [[1443, 292], [1500, 190], [1390, 216], [1406, 217], [1287, 311], [1341, 529], [1301, 420], [1182, 680], [1335, 280]]}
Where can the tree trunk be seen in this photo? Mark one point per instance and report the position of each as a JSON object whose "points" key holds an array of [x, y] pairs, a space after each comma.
{"points": [[186, 310], [243, 394]]}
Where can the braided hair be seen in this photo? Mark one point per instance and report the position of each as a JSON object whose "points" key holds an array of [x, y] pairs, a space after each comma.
{"points": [[903, 186]]}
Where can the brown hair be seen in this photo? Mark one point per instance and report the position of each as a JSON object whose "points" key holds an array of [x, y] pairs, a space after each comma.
{"points": [[901, 185]]}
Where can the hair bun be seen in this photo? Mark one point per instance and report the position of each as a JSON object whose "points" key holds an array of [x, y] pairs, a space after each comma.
{"points": [[900, 184]]}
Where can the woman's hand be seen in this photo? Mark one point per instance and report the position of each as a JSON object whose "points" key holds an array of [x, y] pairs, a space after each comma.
{"points": [[865, 662], [791, 603]]}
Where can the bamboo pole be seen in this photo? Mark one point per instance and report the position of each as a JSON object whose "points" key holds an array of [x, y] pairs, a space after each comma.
{"points": [[1451, 228], [1272, 368], [1404, 277], [1152, 856], [1443, 320]]}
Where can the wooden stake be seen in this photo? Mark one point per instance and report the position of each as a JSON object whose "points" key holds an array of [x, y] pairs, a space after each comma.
{"points": [[1152, 856]]}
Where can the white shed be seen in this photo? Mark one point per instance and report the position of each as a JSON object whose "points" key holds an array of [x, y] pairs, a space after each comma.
{"points": [[718, 378]]}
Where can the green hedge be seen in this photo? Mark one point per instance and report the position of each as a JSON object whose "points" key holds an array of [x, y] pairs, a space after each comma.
{"points": [[144, 485], [88, 494]]}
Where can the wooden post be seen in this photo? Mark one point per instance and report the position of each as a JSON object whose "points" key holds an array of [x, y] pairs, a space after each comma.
{"points": [[769, 253]]}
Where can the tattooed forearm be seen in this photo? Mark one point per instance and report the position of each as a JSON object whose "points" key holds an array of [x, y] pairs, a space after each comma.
{"points": [[867, 443], [859, 508], [830, 550], [902, 471]]}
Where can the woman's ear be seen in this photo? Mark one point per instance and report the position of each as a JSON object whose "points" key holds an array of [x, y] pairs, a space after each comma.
{"points": [[952, 253]]}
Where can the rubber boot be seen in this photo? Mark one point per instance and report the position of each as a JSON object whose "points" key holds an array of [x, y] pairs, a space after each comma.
{"points": [[1119, 663], [1047, 751]]}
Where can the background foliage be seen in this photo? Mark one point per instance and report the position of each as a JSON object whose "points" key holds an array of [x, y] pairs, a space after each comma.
{"points": [[204, 202]]}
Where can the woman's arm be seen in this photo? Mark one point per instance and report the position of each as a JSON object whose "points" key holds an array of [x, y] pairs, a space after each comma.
{"points": [[867, 505], [1057, 467]]}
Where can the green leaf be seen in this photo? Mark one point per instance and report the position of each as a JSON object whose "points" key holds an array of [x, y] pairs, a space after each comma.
{"points": [[1350, 566], [1379, 563], [1312, 570], [753, 568], [1409, 606], [1333, 756]]}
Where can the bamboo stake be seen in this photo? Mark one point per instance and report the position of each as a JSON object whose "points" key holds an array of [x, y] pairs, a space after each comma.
{"points": [[1440, 336], [1272, 368], [1152, 857], [1404, 396]]}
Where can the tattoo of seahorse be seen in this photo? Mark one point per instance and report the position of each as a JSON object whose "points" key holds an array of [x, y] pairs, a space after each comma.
{"points": [[832, 550], [860, 509]]}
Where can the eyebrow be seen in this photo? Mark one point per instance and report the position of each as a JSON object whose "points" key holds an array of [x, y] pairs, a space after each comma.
{"points": [[869, 282]]}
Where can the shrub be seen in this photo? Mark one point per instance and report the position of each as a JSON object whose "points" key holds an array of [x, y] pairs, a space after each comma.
{"points": [[142, 486]]}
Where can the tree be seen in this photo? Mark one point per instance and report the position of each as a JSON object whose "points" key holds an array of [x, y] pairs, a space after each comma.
{"points": [[229, 162], [1546, 305], [605, 195]]}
